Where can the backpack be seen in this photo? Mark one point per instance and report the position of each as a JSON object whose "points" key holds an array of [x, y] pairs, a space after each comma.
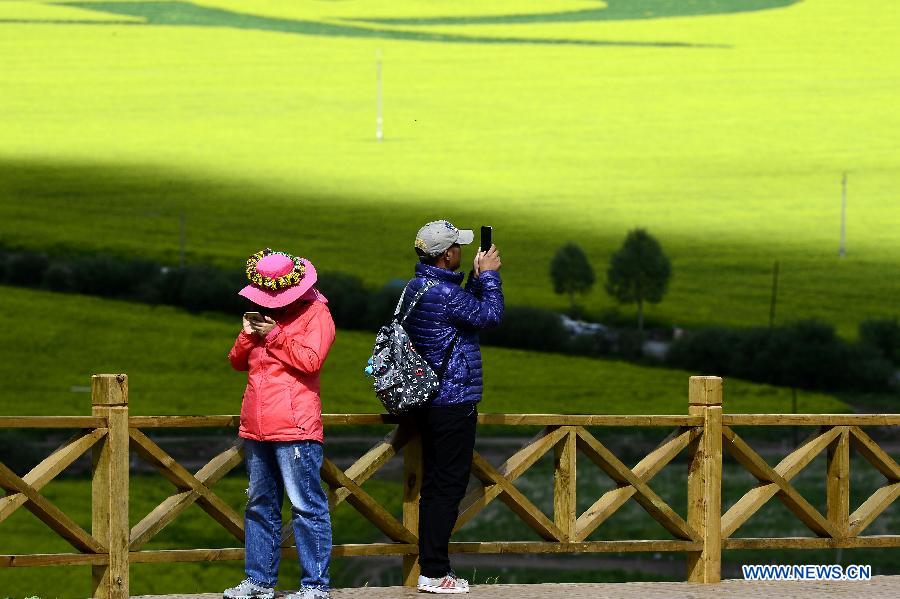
{"points": [[403, 379]]}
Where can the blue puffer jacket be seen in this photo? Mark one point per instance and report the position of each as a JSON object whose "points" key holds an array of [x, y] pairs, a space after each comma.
{"points": [[445, 310]]}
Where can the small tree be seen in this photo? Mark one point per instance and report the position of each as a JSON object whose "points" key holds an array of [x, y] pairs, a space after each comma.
{"points": [[638, 272], [571, 272]]}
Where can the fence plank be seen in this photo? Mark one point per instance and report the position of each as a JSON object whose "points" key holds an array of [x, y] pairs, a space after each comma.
{"points": [[515, 500], [158, 556], [49, 514], [160, 517], [233, 420], [212, 421], [812, 542], [412, 487], [512, 469], [658, 509], [758, 467], [837, 487], [372, 549], [588, 420], [375, 458], [788, 468], [705, 480], [52, 422], [109, 486], [872, 507], [564, 488], [811, 419], [520, 547], [366, 505], [646, 469], [166, 465], [53, 559], [163, 514], [50, 467], [875, 455]]}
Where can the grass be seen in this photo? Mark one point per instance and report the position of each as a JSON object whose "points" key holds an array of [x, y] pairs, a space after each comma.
{"points": [[724, 133], [177, 364]]}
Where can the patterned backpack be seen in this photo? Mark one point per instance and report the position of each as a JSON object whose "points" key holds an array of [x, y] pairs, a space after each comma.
{"points": [[403, 379]]}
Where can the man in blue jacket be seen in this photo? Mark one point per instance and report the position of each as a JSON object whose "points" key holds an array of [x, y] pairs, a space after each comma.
{"points": [[444, 328]]}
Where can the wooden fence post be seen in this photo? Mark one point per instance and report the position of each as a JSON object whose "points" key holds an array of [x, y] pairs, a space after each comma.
{"points": [[412, 485], [838, 483], [704, 513], [109, 503], [564, 505]]}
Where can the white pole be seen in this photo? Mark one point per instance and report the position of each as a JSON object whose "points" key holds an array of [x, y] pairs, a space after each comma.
{"points": [[379, 121], [843, 249]]}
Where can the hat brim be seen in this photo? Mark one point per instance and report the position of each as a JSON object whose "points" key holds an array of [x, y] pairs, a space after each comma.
{"points": [[282, 297], [466, 236]]}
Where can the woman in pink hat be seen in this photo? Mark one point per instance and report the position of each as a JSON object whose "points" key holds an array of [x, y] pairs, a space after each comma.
{"points": [[281, 422]]}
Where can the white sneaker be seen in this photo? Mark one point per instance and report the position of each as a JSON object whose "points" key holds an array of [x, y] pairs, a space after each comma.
{"points": [[451, 583], [247, 589]]}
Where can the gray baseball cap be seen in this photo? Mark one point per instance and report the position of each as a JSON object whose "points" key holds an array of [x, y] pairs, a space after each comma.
{"points": [[437, 236]]}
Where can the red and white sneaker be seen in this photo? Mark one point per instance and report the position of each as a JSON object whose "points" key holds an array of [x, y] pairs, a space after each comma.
{"points": [[451, 583]]}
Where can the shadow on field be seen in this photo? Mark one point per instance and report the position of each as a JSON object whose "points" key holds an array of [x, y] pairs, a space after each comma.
{"points": [[135, 210], [186, 14], [156, 213], [613, 10]]}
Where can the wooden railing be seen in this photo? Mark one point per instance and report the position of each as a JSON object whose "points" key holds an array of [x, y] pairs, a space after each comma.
{"points": [[701, 534]]}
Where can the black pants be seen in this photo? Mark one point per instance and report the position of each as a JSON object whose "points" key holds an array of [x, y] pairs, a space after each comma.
{"points": [[448, 439]]}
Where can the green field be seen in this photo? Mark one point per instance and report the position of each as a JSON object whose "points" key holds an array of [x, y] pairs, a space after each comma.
{"points": [[177, 364], [722, 127]]}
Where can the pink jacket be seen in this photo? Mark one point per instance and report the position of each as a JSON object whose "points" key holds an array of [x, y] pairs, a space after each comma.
{"points": [[281, 401]]}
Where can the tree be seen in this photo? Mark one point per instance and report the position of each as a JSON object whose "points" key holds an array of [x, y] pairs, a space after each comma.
{"points": [[571, 272], [638, 272]]}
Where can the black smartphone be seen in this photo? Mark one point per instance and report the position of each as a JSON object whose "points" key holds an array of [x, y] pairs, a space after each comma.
{"points": [[486, 238]]}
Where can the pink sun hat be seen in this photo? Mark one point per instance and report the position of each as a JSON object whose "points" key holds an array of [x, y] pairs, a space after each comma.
{"points": [[278, 279]]}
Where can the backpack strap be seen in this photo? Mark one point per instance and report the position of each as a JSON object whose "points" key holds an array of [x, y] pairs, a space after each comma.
{"points": [[422, 291]]}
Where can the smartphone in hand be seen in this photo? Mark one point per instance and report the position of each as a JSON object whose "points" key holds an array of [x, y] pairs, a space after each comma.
{"points": [[486, 237], [254, 317]]}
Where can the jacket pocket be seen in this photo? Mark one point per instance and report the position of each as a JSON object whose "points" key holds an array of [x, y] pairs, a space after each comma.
{"points": [[304, 407], [467, 368]]}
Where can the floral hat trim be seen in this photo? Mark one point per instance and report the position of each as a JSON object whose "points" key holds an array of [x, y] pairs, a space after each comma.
{"points": [[274, 284]]}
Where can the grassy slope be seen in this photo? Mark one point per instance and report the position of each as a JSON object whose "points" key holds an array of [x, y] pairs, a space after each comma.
{"points": [[731, 154], [176, 364]]}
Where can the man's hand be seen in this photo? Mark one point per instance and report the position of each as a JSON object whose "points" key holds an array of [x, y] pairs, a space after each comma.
{"points": [[476, 267], [263, 328], [489, 260]]}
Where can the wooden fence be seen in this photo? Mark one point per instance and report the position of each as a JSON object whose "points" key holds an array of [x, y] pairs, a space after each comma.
{"points": [[702, 533]]}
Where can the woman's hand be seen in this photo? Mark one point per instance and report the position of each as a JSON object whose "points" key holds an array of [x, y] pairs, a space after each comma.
{"points": [[263, 328], [246, 327], [490, 260]]}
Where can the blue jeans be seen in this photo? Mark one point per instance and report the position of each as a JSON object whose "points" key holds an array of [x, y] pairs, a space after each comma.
{"points": [[273, 468]]}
